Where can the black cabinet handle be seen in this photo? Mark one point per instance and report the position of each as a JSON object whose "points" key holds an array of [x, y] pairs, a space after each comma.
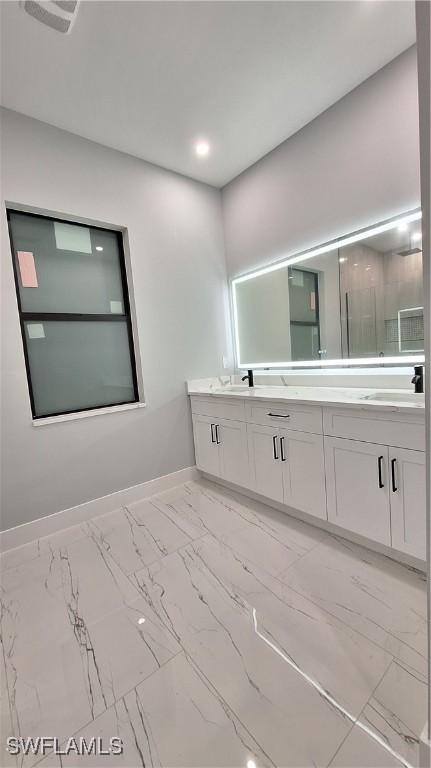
{"points": [[379, 462], [283, 455], [394, 485], [212, 433], [217, 427], [274, 447], [279, 415]]}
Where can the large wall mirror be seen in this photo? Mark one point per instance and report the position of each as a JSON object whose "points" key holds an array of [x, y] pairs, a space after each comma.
{"points": [[359, 298]]}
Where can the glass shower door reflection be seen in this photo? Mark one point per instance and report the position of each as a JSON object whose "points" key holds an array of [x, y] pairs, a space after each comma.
{"points": [[361, 323]]}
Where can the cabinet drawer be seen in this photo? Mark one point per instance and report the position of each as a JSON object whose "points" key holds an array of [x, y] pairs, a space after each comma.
{"points": [[393, 429], [303, 417], [218, 407]]}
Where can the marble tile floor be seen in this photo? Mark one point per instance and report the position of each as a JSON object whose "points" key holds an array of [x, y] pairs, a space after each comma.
{"points": [[205, 629]]}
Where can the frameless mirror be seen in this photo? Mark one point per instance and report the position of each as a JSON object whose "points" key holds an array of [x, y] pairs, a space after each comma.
{"points": [[360, 297]]}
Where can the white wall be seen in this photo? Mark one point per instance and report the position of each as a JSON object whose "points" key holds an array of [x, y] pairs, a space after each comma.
{"points": [[178, 267], [356, 163], [423, 30]]}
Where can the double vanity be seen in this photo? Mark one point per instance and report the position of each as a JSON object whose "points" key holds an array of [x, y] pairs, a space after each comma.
{"points": [[351, 458]]}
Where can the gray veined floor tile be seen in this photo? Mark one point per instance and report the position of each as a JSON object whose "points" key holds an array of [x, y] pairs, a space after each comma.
{"points": [[209, 507], [173, 719], [266, 536], [377, 597], [215, 628], [35, 549], [6, 760], [255, 544], [345, 664], [360, 750], [137, 535], [207, 655], [278, 525], [397, 711], [58, 687], [81, 567], [76, 636]]}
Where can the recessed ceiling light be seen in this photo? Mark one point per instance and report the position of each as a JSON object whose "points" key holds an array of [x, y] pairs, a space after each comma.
{"points": [[402, 228], [416, 237], [342, 259], [99, 247], [202, 148]]}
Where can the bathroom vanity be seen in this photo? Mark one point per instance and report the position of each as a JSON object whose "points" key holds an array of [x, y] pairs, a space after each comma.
{"points": [[351, 458]]}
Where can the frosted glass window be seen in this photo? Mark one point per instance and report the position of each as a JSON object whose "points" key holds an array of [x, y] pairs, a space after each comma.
{"points": [[77, 270], [75, 314], [79, 365]]}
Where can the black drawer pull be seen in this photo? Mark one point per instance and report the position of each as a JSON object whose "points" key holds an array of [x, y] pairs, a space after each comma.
{"points": [[217, 427], [394, 484], [379, 462], [274, 447], [279, 415], [283, 455], [212, 433]]}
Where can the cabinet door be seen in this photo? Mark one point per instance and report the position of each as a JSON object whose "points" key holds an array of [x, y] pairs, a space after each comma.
{"points": [[408, 504], [232, 437], [357, 485], [206, 448], [303, 465], [265, 465]]}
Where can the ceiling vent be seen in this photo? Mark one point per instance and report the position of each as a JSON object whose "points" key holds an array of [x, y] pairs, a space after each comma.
{"points": [[57, 14]]}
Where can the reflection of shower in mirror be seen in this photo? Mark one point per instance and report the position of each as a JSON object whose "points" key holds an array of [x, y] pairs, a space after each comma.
{"points": [[358, 297]]}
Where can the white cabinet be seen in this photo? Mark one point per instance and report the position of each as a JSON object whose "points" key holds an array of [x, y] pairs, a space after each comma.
{"points": [[378, 492], [408, 504], [232, 445], [363, 471], [357, 487], [288, 466], [303, 465], [265, 468], [221, 448], [206, 447]]}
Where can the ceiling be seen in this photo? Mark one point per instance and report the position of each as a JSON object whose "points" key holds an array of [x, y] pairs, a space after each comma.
{"points": [[151, 78]]}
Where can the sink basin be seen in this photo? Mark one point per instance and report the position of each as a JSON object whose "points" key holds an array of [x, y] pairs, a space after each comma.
{"points": [[235, 388], [396, 397]]}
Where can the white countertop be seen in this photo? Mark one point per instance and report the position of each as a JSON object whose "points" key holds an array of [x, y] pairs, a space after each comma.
{"points": [[400, 400]]}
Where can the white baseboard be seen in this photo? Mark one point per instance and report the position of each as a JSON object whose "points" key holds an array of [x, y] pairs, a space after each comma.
{"points": [[325, 525], [44, 526]]}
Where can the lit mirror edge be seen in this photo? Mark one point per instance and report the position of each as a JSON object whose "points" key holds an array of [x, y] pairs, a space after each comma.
{"points": [[332, 245]]}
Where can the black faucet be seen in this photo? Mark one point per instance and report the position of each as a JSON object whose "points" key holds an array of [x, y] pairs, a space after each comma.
{"points": [[418, 379], [250, 378]]}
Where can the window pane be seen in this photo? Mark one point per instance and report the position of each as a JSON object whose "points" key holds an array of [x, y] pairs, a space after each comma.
{"points": [[302, 295], [305, 342], [76, 365], [65, 267]]}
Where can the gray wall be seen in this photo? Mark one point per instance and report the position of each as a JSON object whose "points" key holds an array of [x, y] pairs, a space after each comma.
{"points": [[356, 163], [179, 277]]}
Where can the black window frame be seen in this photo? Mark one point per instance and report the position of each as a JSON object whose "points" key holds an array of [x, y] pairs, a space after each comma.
{"points": [[74, 316]]}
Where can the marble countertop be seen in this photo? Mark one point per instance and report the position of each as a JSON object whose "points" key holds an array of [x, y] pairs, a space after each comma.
{"points": [[400, 400]]}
